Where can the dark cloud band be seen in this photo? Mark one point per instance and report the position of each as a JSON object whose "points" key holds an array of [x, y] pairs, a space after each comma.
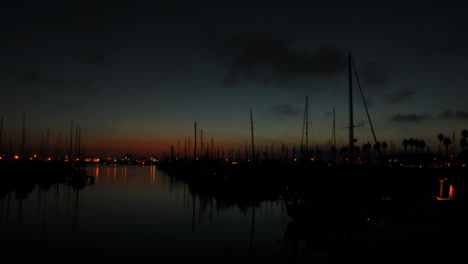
{"points": [[410, 118]]}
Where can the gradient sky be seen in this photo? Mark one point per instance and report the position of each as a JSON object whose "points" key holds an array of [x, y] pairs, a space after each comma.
{"points": [[136, 75]]}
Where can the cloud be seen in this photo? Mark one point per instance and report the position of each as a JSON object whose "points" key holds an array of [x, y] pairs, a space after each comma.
{"points": [[36, 81], [410, 118], [446, 114], [36, 78], [85, 86], [399, 96], [449, 114], [268, 59], [94, 56], [461, 115], [286, 109], [375, 73]]}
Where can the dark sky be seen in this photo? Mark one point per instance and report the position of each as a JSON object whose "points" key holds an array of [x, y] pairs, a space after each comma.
{"points": [[136, 75]]}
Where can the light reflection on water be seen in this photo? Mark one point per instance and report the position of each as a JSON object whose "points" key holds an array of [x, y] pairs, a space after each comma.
{"points": [[141, 211]]}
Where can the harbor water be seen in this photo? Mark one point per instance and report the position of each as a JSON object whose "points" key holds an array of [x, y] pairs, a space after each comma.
{"points": [[140, 212]]}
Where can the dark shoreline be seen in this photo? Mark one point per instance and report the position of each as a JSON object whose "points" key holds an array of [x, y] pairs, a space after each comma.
{"points": [[21, 176]]}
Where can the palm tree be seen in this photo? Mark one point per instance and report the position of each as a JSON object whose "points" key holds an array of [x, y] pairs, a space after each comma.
{"points": [[365, 150], [416, 144], [422, 145], [447, 142], [366, 146], [441, 138], [464, 139], [405, 144], [464, 133], [384, 146], [411, 144], [377, 146], [463, 143]]}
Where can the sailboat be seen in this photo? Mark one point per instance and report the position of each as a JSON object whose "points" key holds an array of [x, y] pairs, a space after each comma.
{"points": [[351, 67], [297, 207]]}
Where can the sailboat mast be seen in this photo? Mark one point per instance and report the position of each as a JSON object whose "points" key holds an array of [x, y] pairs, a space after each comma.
{"points": [[251, 128], [305, 126], [59, 146], [333, 139], [365, 105], [334, 132], [24, 135], [47, 144], [71, 136], [1, 134], [351, 134], [79, 143], [307, 122], [195, 147], [76, 143]]}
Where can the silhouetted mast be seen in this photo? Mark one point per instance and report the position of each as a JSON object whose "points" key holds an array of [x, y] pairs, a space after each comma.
{"points": [[351, 134], [79, 143], [365, 105], [195, 147], [306, 116], [333, 140], [59, 146], [334, 132], [76, 142], [47, 144], [305, 126], [1, 135], [24, 135], [251, 128], [71, 136], [41, 147]]}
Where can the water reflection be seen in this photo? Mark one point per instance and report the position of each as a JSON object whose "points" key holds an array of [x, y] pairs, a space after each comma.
{"points": [[139, 210]]}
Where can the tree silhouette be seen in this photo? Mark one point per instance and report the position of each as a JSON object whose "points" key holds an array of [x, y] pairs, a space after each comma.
{"points": [[441, 138], [384, 146], [416, 144], [405, 144], [365, 150], [377, 146], [411, 144], [422, 145], [464, 133], [464, 139], [463, 143], [447, 142]]}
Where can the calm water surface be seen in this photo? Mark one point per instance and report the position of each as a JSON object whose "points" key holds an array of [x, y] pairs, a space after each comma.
{"points": [[141, 212]]}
